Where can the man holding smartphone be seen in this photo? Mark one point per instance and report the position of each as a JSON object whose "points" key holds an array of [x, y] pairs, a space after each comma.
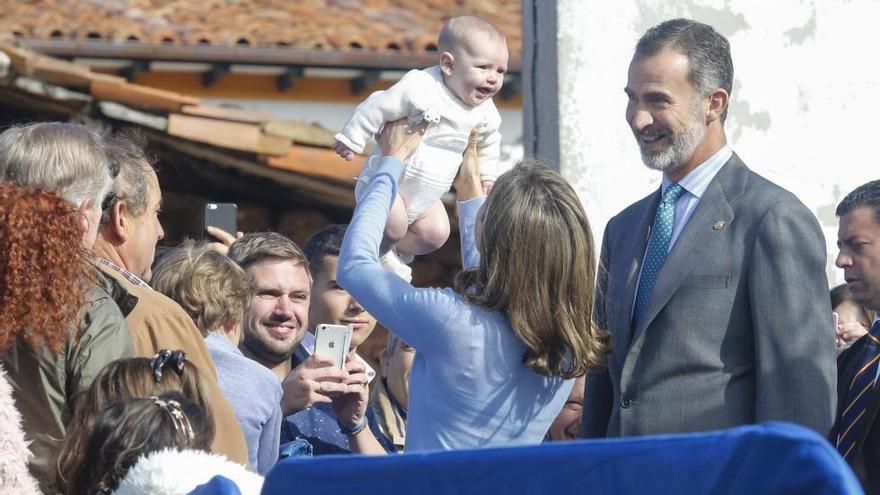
{"points": [[330, 305], [276, 324]]}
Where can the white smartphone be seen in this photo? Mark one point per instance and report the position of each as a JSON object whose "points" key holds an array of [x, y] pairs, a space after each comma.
{"points": [[333, 340]]}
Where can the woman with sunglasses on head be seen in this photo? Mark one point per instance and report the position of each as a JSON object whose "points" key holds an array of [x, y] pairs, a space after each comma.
{"points": [[167, 371]]}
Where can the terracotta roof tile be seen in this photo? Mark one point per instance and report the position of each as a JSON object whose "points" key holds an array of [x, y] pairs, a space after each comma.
{"points": [[278, 147], [339, 24]]}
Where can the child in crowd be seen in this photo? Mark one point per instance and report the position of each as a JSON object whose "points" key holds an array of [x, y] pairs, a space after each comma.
{"points": [[216, 292], [453, 98], [123, 379], [157, 444], [126, 430]]}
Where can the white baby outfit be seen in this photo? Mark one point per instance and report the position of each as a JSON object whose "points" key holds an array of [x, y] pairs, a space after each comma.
{"points": [[421, 95]]}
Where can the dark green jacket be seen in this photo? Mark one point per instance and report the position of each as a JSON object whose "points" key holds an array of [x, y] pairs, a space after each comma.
{"points": [[44, 384]]}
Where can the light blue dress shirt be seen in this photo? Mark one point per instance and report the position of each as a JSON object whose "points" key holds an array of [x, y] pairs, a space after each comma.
{"points": [[695, 185]]}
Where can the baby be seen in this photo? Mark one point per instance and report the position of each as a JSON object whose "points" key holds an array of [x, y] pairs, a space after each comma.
{"points": [[454, 97]]}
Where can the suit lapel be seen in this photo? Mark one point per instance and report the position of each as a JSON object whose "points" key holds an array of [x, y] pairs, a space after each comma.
{"points": [[632, 255], [698, 241]]}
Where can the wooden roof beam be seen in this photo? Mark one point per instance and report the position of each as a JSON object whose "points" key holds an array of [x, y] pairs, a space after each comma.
{"points": [[210, 77], [286, 80], [134, 69], [364, 81]]}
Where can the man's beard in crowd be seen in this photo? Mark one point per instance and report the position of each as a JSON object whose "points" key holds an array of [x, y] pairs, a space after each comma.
{"points": [[681, 146]]}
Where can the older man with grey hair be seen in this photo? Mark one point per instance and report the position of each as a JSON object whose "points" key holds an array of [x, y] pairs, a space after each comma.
{"points": [[67, 159], [124, 251]]}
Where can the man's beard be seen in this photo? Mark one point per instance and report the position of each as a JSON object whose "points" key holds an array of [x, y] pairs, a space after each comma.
{"points": [[267, 350], [680, 148]]}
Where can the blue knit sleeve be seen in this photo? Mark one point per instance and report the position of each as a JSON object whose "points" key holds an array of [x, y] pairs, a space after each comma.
{"points": [[407, 311]]}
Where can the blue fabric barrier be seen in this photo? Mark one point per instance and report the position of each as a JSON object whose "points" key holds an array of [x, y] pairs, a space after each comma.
{"points": [[218, 485], [771, 458]]}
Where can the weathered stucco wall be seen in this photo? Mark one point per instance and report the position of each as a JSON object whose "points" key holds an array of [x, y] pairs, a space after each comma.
{"points": [[804, 106]]}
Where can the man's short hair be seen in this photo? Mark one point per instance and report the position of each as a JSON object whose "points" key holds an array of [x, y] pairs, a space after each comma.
{"points": [[132, 184], [463, 30], [325, 242], [866, 195], [67, 159], [210, 287], [710, 65], [254, 247]]}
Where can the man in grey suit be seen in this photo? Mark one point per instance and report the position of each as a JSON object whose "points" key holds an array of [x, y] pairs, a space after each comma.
{"points": [[713, 288]]}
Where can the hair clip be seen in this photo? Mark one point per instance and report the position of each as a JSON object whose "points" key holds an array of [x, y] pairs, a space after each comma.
{"points": [[177, 358], [180, 419]]}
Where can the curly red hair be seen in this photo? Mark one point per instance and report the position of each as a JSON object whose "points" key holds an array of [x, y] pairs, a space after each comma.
{"points": [[44, 279]]}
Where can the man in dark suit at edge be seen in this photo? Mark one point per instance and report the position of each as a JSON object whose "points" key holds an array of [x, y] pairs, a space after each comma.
{"points": [[856, 433], [713, 287]]}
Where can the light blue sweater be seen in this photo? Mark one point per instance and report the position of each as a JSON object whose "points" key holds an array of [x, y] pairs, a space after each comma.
{"points": [[255, 395], [468, 386]]}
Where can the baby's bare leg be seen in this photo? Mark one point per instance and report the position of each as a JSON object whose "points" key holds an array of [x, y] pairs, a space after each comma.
{"points": [[396, 226], [427, 233]]}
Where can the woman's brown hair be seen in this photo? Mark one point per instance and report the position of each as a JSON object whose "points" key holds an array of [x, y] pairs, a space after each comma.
{"points": [[538, 266], [121, 380], [44, 281]]}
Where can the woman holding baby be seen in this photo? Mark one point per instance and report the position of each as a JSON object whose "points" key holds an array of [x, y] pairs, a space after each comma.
{"points": [[496, 357]]}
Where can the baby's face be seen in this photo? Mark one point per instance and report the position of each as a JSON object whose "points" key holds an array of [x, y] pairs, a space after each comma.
{"points": [[477, 70]]}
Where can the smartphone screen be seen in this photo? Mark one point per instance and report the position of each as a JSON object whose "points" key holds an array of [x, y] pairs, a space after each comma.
{"points": [[224, 216], [333, 340]]}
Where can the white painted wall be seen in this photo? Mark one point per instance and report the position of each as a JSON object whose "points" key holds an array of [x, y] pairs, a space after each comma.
{"points": [[805, 106]]}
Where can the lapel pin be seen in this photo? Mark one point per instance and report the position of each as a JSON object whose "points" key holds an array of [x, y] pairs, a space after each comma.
{"points": [[718, 224]]}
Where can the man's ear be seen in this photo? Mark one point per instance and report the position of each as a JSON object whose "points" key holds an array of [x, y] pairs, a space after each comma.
{"points": [[718, 101], [447, 63], [83, 216], [117, 225], [384, 357]]}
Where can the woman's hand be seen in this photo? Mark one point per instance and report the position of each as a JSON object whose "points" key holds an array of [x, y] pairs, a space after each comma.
{"points": [[399, 139], [467, 182]]}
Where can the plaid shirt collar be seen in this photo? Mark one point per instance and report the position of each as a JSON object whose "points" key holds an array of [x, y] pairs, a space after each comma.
{"points": [[131, 277]]}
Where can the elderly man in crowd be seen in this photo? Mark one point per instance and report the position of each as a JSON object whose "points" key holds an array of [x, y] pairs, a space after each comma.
{"points": [[714, 288], [856, 433], [124, 250], [67, 159]]}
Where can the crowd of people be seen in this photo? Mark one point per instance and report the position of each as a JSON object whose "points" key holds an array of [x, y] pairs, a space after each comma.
{"points": [[706, 307]]}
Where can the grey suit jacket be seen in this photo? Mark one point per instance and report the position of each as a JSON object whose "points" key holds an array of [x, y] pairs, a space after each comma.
{"points": [[738, 324]]}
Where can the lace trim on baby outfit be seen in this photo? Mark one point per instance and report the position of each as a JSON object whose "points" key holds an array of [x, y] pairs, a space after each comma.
{"points": [[431, 116]]}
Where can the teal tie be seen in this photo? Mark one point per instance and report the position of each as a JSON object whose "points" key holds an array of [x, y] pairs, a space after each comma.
{"points": [[658, 247]]}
